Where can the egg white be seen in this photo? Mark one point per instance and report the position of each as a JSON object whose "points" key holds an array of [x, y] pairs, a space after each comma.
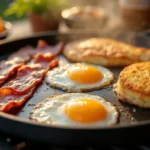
{"points": [[49, 111], [58, 78]]}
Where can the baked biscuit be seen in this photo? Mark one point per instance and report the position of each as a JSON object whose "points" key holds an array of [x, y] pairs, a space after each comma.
{"points": [[105, 52], [133, 85]]}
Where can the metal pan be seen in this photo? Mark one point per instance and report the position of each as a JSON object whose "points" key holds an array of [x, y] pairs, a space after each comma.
{"points": [[133, 125]]}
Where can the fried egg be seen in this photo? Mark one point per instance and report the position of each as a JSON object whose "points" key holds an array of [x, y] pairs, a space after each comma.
{"points": [[75, 109], [79, 77]]}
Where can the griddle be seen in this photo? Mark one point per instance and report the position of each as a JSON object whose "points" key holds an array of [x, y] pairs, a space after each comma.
{"points": [[133, 125]]}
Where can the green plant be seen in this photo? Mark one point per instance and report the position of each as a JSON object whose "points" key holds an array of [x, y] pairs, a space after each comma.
{"points": [[21, 7]]}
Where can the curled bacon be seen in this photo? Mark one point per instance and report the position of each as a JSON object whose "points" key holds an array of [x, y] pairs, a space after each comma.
{"points": [[24, 54], [28, 76], [43, 47], [8, 68], [21, 89], [9, 98], [19, 58], [14, 62]]}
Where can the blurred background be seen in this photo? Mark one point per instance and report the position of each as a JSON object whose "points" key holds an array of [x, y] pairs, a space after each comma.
{"points": [[112, 6], [3, 6], [118, 19]]}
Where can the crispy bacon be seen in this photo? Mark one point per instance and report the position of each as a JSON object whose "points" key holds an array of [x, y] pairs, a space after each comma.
{"points": [[19, 91], [9, 98], [43, 47], [14, 62], [28, 77], [43, 59], [24, 54], [7, 68]]}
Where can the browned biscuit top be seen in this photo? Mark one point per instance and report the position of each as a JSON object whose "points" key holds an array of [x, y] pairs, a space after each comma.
{"points": [[107, 48], [136, 77]]}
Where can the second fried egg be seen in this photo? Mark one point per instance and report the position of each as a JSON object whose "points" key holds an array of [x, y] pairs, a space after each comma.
{"points": [[75, 110], [79, 77]]}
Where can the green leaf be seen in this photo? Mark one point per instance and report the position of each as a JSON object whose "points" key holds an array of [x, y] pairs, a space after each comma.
{"points": [[21, 7]]}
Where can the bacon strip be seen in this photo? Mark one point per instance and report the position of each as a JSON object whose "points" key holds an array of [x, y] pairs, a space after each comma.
{"points": [[8, 68], [24, 54], [43, 48], [14, 62], [28, 77], [10, 99], [19, 58]]}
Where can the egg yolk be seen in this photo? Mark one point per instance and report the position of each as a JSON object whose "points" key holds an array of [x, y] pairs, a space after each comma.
{"points": [[85, 111], [85, 74]]}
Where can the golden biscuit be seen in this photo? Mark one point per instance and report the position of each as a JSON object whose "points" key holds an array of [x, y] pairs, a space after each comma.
{"points": [[105, 52], [133, 85]]}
